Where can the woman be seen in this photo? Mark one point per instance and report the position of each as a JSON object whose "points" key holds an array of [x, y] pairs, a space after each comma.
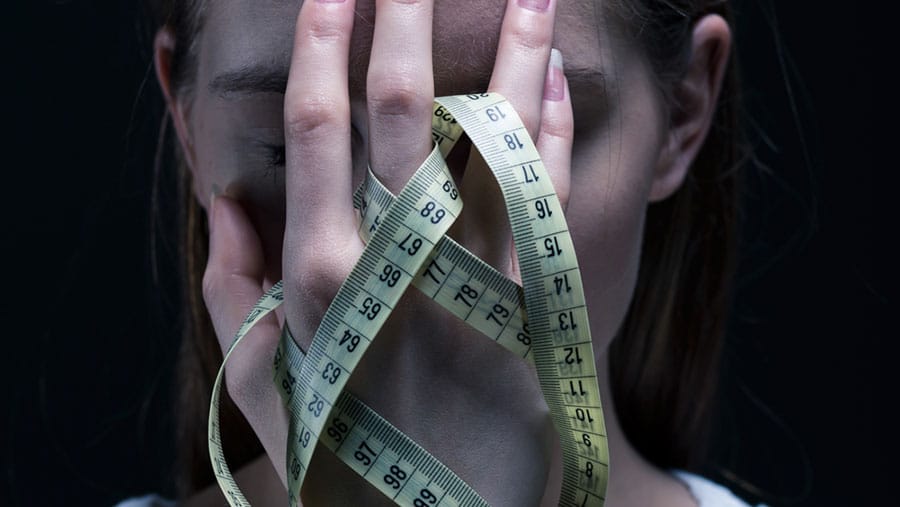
{"points": [[278, 114]]}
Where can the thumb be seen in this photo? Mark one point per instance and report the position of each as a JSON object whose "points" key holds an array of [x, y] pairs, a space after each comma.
{"points": [[232, 284], [235, 272]]}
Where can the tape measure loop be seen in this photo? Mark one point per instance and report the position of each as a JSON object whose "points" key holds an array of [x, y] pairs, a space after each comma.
{"points": [[406, 246]]}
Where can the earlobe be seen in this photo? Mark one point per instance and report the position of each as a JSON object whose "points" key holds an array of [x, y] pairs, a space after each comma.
{"points": [[695, 98], [163, 52]]}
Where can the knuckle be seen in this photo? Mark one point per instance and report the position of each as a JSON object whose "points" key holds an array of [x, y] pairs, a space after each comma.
{"points": [[558, 126], [209, 286], [530, 120], [219, 286], [393, 96], [322, 28], [530, 38], [314, 116]]}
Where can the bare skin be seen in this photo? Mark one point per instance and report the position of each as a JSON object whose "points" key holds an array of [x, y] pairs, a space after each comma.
{"points": [[359, 91]]}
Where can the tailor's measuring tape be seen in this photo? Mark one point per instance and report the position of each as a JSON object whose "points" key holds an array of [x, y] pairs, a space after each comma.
{"points": [[457, 280], [406, 245]]}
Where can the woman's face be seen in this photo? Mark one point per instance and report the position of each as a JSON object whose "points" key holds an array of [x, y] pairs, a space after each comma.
{"points": [[233, 124]]}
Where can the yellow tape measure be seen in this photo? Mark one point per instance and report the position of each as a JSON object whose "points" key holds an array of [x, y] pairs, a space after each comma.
{"points": [[406, 246]]}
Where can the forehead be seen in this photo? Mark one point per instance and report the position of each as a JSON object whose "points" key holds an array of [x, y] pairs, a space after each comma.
{"points": [[246, 34]]}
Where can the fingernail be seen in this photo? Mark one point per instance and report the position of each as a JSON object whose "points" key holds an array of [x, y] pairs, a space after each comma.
{"points": [[329, 1], [535, 5], [555, 84]]}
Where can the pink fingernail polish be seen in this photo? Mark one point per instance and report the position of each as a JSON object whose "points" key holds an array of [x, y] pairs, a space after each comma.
{"points": [[555, 83], [534, 5]]}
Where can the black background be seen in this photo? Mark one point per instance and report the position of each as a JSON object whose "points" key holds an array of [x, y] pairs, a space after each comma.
{"points": [[92, 326]]}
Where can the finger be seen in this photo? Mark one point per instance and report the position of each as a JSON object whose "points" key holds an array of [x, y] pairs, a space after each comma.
{"points": [[522, 55], [400, 90], [557, 129], [519, 74], [554, 143], [317, 125], [232, 284]]}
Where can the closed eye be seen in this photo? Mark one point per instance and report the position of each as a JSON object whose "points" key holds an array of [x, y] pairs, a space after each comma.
{"points": [[275, 154]]}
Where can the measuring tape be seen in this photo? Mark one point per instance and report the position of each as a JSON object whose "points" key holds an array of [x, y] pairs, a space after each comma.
{"points": [[406, 245]]}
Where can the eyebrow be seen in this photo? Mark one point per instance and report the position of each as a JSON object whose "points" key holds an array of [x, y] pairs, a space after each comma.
{"points": [[249, 80], [586, 76], [271, 79]]}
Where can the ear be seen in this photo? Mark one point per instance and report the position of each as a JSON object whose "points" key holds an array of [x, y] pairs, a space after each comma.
{"points": [[163, 52], [695, 98]]}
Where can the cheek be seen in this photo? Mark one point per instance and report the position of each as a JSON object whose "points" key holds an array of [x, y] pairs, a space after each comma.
{"points": [[226, 163], [610, 186], [606, 218], [215, 164]]}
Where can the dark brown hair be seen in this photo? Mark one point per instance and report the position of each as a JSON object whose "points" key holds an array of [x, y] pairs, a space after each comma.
{"points": [[664, 362], [199, 355]]}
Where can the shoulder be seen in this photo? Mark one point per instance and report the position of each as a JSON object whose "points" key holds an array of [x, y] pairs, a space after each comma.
{"points": [[707, 493]]}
